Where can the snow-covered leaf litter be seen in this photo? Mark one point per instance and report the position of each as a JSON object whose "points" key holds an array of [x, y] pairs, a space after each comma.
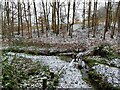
{"points": [[111, 74], [71, 77]]}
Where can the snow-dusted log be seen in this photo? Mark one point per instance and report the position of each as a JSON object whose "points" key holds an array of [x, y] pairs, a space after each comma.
{"points": [[87, 52]]}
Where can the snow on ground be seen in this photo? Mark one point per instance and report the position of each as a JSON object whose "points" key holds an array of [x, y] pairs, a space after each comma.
{"points": [[79, 36], [71, 77], [115, 62], [110, 74]]}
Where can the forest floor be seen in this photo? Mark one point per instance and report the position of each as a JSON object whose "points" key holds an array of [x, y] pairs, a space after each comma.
{"points": [[78, 42], [72, 77]]}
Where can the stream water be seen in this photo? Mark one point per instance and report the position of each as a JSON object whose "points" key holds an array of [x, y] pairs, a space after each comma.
{"points": [[71, 76]]}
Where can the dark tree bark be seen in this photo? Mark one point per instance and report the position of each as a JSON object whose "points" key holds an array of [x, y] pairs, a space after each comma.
{"points": [[45, 18], [118, 25], [68, 16], [12, 23], [54, 16], [18, 17], [114, 22], [95, 18], [107, 20], [89, 14], [35, 11], [58, 23], [83, 23], [29, 18], [71, 25]]}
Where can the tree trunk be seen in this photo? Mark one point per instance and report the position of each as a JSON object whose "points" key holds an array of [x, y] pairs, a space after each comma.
{"points": [[71, 25], [95, 18], [18, 17], [106, 22], [54, 16], [83, 23], [68, 16], [58, 18], [30, 24], [119, 26], [12, 23], [89, 13], [45, 16], [114, 22], [35, 11]]}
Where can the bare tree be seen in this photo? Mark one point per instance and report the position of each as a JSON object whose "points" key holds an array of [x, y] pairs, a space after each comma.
{"points": [[45, 18], [29, 19], [12, 21], [114, 22], [83, 23], [118, 25], [58, 17], [107, 19], [54, 15], [18, 17], [95, 18], [68, 15], [71, 25], [35, 11], [110, 14], [89, 16]]}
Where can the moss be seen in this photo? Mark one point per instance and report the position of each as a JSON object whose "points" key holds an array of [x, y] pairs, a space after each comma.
{"points": [[56, 80], [105, 51], [65, 58], [21, 69], [99, 82], [91, 62]]}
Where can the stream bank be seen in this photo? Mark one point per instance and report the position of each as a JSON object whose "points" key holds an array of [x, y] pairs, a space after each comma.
{"points": [[102, 66]]}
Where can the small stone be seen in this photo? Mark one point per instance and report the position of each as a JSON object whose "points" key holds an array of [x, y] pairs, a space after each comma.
{"points": [[76, 82]]}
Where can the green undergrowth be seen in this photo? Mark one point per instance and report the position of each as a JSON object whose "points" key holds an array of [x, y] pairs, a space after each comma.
{"points": [[99, 83], [17, 69], [105, 51], [29, 42], [102, 54], [65, 58]]}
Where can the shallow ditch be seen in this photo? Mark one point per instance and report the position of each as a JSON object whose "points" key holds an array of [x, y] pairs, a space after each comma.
{"points": [[87, 74]]}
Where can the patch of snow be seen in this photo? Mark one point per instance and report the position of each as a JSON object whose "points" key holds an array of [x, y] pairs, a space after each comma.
{"points": [[112, 74], [115, 62], [71, 77]]}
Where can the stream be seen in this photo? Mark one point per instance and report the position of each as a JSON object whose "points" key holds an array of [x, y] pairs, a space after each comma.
{"points": [[71, 77]]}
